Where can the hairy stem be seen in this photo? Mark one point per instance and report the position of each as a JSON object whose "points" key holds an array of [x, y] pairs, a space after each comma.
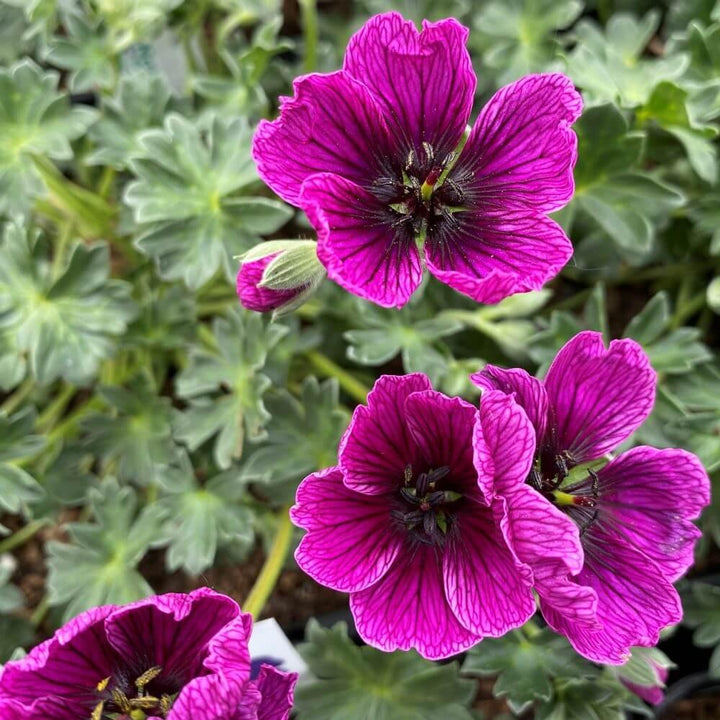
{"points": [[23, 535], [328, 368], [308, 11], [14, 401], [265, 583], [53, 412]]}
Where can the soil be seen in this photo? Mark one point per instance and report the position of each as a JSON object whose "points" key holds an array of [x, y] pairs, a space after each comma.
{"points": [[704, 708], [489, 706], [295, 600]]}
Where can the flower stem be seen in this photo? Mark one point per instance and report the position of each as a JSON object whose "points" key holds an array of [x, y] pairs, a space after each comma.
{"points": [[70, 421], [530, 629], [263, 587], [106, 181], [328, 368], [50, 416], [40, 611], [23, 535], [14, 401], [308, 12]]}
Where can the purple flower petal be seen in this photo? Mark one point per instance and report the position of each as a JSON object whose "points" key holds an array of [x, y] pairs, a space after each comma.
{"points": [[10, 710], [424, 81], [69, 665], [378, 445], [407, 608], [529, 392], [332, 124], [490, 254], [649, 497], [277, 693], [357, 244], [173, 631], [487, 587], [214, 697], [521, 150], [599, 396], [504, 444], [349, 544], [635, 601], [549, 542], [442, 428]]}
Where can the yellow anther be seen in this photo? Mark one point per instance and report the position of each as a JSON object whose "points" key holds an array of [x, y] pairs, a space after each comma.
{"points": [[165, 705], [148, 676], [98, 711], [103, 684], [121, 700], [144, 703]]}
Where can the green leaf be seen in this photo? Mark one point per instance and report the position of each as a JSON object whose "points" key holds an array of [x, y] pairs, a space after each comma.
{"points": [[670, 350], [623, 203], [66, 325], [713, 295], [105, 554], [86, 52], [585, 700], [139, 104], [186, 197], [240, 92], [651, 322], [166, 320], [13, 41], [13, 365], [702, 612], [202, 518], [506, 323], [18, 442], [366, 684], [610, 67], [225, 387], [11, 598], [412, 333], [34, 119], [136, 436], [15, 631], [302, 436], [132, 21], [667, 107], [525, 667], [519, 37]]}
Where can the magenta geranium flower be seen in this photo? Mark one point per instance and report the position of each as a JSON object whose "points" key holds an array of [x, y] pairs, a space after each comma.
{"points": [[376, 156], [404, 527], [174, 656], [605, 542]]}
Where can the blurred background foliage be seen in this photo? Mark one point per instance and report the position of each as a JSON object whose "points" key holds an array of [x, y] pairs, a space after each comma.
{"points": [[152, 433]]}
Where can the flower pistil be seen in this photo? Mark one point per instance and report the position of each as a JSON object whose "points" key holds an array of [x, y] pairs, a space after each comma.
{"points": [[428, 516]]}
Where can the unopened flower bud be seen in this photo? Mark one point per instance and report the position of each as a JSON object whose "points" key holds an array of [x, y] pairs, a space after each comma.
{"points": [[278, 276]]}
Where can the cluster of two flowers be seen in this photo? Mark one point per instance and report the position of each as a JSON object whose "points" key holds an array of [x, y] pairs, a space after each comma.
{"points": [[443, 521]]}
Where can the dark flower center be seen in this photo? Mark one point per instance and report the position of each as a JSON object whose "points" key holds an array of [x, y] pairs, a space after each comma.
{"points": [[120, 698], [421, 196], [548, 476], [427, 510]]}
